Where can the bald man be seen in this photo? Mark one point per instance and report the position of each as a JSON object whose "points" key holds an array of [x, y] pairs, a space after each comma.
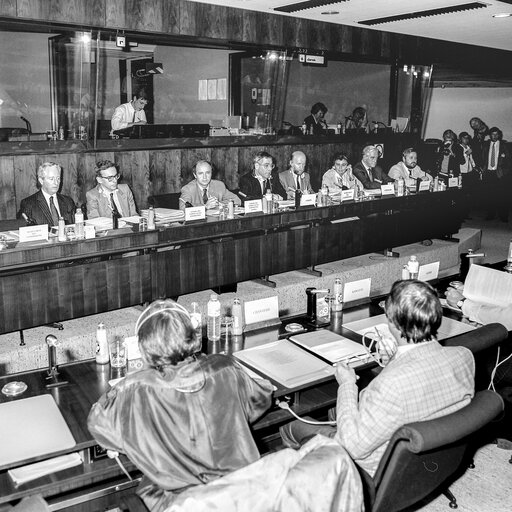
{"points": [[295, 176]]}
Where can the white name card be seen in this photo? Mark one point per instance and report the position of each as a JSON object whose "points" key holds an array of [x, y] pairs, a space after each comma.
{"points": [[89, 232], [195, 213], [308, 200], [453, 182], [253, 206], [429, 271], [261, 310], [424, 186], [388, 190], [33, 233], [347, 195], [357, 289]]}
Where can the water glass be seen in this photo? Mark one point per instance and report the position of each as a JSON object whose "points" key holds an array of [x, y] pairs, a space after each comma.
{"points": [[118, 354]]}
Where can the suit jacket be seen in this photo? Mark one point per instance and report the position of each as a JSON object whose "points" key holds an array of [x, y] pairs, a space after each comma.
{"points": [[35, 207], [379, 176], [250, 187], [421, 383], [318, 128], [287, 180], [455, 160], [98, 202], [504, 160], [191, 193]]}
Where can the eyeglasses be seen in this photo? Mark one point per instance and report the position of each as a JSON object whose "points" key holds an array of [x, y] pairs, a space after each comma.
{"points": [[267, 165], [112, 178], [53, 179]]}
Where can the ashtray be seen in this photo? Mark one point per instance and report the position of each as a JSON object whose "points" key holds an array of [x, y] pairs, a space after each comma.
{"points": [[16, 387], [294, 327]]}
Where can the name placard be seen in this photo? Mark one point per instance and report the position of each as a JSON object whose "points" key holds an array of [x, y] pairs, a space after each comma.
{"points": [[388, 190], [347, 195], [33, 233], [424, 186], [357, 289], [429, 271], [195, 213], [261, 310], [453, 182], [89, 232], [253, 206], [308, 200]]}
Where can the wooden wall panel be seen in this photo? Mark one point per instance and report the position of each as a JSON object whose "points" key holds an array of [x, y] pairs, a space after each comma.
{"points": [[115, 14], [249, 26], [211, 21], [146, 15], [35, 9], [165, 171], [320, 35], [8, 8], [346, 39], [235, 18], [187, 18], [7, 190], [171, 17], [189, 158], [269, 29], [25, 176], [225, 162], [135, 169]]}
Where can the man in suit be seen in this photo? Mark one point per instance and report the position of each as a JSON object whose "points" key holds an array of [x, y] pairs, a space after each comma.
{"points": [[204, 190], [497, 175], [315, 123], [109, 197], [449, 155], [368, 172], [47, 205], [254, 184], [409, 170], [421, 380], [295, 177]]}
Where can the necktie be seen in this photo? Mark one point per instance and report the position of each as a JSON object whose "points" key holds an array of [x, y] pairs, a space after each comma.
{"points": [[54, 212], [134, 114], [297, 178], [370, 175], [115, 211], [205, 196], [493, 155], [267, 186]]}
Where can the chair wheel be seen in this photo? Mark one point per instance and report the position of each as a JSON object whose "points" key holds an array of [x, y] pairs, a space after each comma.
{"points": [[453, 504]]}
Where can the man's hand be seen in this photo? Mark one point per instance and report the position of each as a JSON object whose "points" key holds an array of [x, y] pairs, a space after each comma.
{"points": [[344, 373], [212, 203], [453, 296]]}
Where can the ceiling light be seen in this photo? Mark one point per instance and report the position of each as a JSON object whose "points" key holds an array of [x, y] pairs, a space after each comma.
{"points": [[502, 15], [330, 13], [86, 38]]}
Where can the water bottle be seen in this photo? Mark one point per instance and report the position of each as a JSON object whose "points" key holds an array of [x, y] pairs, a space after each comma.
{"points": [[304, 128], [400, 187], [79, 224], [459, 183], [61, 234], [436, 184], [405, 273], [413, 265], [337, 303], [238, 320], [102, 355], [338, 128], [231, 209], [151, 218], [213, 318], [197, 321], [268, 197], [324, 195]]}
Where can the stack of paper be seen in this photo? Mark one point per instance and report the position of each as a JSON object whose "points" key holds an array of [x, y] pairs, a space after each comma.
{"points": [[45, 467], [165, 215], [287, 203], [488, 286], [103, 223]]}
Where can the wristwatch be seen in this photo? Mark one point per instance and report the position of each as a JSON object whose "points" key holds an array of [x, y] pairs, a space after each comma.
{"points": [[460, 302]]}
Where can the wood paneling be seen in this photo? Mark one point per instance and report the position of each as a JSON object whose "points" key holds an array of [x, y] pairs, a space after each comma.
{"points": [[8, 8], [7, 191]]}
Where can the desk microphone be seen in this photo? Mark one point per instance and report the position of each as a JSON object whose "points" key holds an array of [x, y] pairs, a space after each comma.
{"points": [[29, 220]]}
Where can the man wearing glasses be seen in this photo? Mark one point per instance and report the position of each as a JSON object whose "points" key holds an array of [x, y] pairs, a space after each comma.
{"points": [[255, 184], [131, 113], [47, 205], [109, 197]]}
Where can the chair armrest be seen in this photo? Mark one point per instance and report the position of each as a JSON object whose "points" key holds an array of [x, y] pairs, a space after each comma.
{"points": [[479, 339]]}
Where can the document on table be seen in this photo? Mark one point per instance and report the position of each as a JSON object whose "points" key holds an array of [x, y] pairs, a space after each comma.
{"points": [[285, 363], [488, 286], [333, 347], [367, 326]]}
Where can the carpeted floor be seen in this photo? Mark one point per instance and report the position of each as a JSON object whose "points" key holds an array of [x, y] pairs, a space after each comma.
{"points": [[486, 488]]}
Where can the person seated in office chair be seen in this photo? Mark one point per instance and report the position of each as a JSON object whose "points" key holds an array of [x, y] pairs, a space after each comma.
{"points": [[295, 177], [254, 184], [315, 123], [183, 419], [358, 120], [47, 205], [422, 380], [368, 172], [339, 176], [131, 113], [202, 190], [109, 196], [409, 170]]}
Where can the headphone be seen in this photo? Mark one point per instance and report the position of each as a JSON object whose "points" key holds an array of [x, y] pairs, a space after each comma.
{"points": [[175, 307]]}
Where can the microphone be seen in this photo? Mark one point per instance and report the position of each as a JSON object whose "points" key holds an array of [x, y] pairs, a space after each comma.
{"points": [[29, 220], [27, 122]]}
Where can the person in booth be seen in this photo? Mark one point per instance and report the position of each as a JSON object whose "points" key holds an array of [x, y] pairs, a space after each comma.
{"points": [[420, 381], [109, 196], [254, 184], [131, 113], [296, 177], [183, 419], [358, 120], [47, 205], [409, 170], [315, 123], [368, 172], [339, 176]]}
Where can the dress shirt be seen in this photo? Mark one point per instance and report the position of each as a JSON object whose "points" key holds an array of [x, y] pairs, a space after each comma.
{"points": [[125, 114], [494, 147], [55, 201], [469, 163], [116, 200], [264, 183], [335, 182]]}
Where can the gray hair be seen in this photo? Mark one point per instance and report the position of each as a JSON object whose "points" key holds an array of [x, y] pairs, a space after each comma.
{"points": [[41, 171]]}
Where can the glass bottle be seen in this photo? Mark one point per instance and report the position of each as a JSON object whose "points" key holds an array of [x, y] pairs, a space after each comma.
{"points": [[413, 266], [238, 320], [197, 321], [102, 355], [79, 224], [213, 318]]}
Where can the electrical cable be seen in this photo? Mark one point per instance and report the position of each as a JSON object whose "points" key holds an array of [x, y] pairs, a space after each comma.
{"points": [[285, 406], [494, 370], [115, 455]]}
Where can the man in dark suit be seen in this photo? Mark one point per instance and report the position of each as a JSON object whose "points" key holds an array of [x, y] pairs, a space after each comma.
{"points": [[47, 205], [315, 124], [254, 184], [368, 172], [449, 155], [497, 175]]}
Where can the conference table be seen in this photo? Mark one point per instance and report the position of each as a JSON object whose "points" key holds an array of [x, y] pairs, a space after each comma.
{"points": [[54, 281]]}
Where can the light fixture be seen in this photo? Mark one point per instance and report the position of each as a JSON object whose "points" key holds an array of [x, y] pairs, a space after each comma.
{"points": [[86, 38], [502, 15], [426, 73], [406, 68], [329, 13]]}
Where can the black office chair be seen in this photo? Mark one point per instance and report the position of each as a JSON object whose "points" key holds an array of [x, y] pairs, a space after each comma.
{"points": [[421, 457], [165, 200]]}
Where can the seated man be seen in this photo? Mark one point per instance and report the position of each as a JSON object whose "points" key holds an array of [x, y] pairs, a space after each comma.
{"points": [[315, 123], [47, 205], [368, 172], [295, 177], [254, 184], [131, 113], [109, 197], [422, 380], [409, 170], [204, 190]]}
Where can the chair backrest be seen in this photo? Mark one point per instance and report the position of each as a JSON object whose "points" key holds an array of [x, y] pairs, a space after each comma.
{"points": [[423, 455]]}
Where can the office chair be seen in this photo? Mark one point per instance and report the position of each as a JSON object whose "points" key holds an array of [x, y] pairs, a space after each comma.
{"points": [[422, 456]]}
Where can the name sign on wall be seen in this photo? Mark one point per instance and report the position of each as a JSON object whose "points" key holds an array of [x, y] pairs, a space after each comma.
{"points": [[195, 213]]}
